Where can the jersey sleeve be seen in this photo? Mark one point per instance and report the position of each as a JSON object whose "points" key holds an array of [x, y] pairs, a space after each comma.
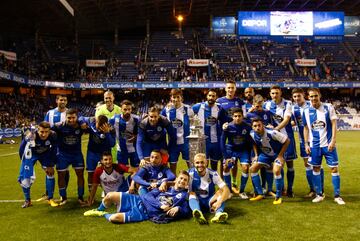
{"points": [[278, 136], [139, 141], [122, 168], [139, 177], [97, 174], [303, 117], [288, 110], [218, 181], [332, 112], [196, 108], [47, 117], [190, 112]]}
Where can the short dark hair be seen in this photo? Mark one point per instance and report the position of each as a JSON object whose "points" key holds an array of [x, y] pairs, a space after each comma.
{"points": [[256, 119], [183, 172], [230, 81], [102, 119], [154, 109], [211, 90], [126, 102], [176, 92], [60, 96], [106, 153], [44, 124], [297, 90], [237, 110], [157, 151], [314, 89], [71, 111], [275, 87]]}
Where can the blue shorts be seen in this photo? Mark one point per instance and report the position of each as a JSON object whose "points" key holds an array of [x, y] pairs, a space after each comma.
{"points": [[290, 153], [303, 153], [265, 160], [175, 150], [149, 147], [213, 151], [64, 160], [124, 156], [330, 157], [92, 160], [133, 208], [243, 156], [27, 167], [205, 203]]}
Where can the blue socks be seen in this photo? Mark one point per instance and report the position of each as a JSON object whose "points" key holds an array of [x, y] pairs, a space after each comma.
{"points": [[80, 192], [101, 207], [279, 183], [290, 175], [257, 183], [62, 192], [50, 186], [26, 191], [194, 203], [221, 208], [244, 179], [107, 216], [309, 177], [142, 190], [227, 179], [335, 178], [317, 183], [269, 180]]}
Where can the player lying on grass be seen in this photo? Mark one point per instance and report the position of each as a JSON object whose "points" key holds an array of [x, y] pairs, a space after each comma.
{"points": [[40, 146], [202, 195], [159, 207], [111, 177], [154, 174]]}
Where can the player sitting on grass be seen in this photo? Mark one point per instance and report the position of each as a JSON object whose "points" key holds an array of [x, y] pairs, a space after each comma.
{"points": [[158, 206], [111, 177], [270, 146], [153, 175], [38, 146], [203, 197]]}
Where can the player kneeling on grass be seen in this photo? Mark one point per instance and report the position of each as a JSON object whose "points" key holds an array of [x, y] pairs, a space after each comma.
{"points": [[270, 146], [203, 197], [154, 174], [39, 146], [157, 206], [111, 177]]}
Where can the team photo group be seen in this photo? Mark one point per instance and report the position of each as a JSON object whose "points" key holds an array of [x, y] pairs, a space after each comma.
{"points": [[134, 159]]}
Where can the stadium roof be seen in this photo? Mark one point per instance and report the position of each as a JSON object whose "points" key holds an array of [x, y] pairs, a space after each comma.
{"points": [[101, 16]]}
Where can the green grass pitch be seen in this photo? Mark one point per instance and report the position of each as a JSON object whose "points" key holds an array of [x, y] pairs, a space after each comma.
{"points": [[295, 219]]}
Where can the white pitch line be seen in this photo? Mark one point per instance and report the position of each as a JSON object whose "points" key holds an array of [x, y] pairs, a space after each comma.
{"points": [[11, 201], [9, 154]]}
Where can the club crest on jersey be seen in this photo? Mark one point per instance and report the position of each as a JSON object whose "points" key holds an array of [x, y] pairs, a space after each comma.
{"points": [[102, 136], [238, 140], [266, 149], [160, 175], [77, 132], [210, 121], [47, 143], [318, 125], [178, 196], [244, 132], [159, 128], [265, 117], [278, 118], [176, 123]]}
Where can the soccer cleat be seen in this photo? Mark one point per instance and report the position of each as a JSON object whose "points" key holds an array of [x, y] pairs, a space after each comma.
{"points": [[44, 197], [94, 213], [63, 201], [277, 201], [220, 218], [257, 198], [26, 204], [243, 196], [234, 190], [339, 201], [199, 217], [81, 201], [270, 193], [311, 194], [290, 194], [318, 199], [52, 203]]}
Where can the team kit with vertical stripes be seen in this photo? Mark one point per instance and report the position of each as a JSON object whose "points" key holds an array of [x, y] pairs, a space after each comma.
{"points": [[136, 139]]}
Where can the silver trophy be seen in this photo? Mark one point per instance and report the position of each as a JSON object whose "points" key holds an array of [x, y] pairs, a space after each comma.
{"points": [[196, 138]]}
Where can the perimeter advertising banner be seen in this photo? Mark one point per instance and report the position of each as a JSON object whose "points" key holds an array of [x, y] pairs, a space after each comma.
{"points": [[223, 25], [352, 25]]}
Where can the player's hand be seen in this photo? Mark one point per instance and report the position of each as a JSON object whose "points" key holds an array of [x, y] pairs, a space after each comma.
{"points": [[307, 149], [225, 125], [153, 185], [165, 208], [163, 187], [173, 211], [105, 128], [144, 162], [281, 159], [83, 126], [215, 206], [254, 159], [270, 126], [331, 146], [132, 139], [252, 108], [132, 190]]}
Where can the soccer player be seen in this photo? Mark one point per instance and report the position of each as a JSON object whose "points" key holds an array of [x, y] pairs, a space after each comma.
{"points": [[228, 102], [300, 104], [202, 194], [281, 110], [109, 109], [236, 144], [111, 177], [257, 111], [179, 116], [269, 147], [101, 139], [158, 206], [69, 153], [153, 175], [320, 139], [152, 134], [40, 146], [249, 94], [211, 116], [126, 126]]}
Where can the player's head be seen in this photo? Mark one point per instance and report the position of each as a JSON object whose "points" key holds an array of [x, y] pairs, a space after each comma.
{"points": [[298, 96], [126, 108], [275, 93], [101, 120], [176, 97], [109, 98], [211, 96], [155, 158], [200, 163], [182, 180], [44, 130], [71, 117], [257, 125], [258, 102], [249, 94], [230, 88], [106, 159], [154, 115], [61, 101], [314, 97], [237, 115]]}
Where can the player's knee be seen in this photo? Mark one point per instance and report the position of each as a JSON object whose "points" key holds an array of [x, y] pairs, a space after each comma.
{"points": [[334, 170], [316, 168]]}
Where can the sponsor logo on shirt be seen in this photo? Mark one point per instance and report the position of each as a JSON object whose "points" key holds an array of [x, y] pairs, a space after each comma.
{"points": [[278, 118], [176, 123], [210, 121], [318, 125]]}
